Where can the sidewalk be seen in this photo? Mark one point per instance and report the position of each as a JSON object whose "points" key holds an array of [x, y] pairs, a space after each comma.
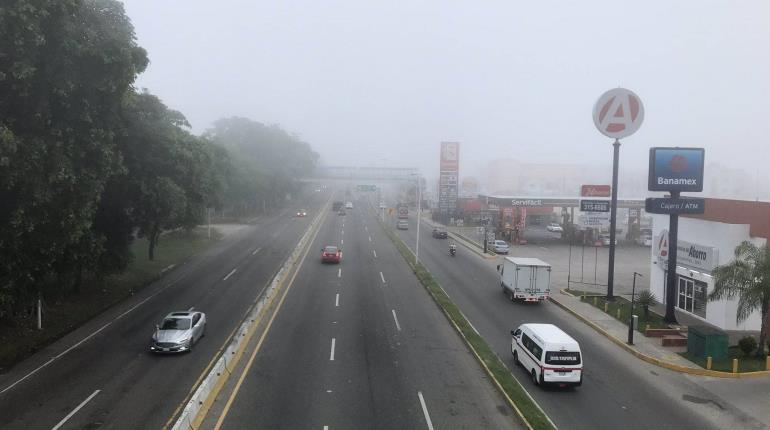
{"points": [[617, 332]]}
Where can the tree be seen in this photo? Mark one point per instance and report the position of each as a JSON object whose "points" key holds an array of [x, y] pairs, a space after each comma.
{"points": [[646, 299], [747, 277], [65, 67]]}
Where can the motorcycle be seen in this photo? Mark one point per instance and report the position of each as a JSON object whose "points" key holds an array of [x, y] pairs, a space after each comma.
{"points": [[452, 250]]}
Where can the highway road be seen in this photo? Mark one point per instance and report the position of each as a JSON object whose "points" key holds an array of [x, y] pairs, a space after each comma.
{"points": [[361, 345], [102, 375], [618, 391]]}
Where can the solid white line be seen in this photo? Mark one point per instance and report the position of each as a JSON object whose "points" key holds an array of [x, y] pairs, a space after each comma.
{"points": [[230, 274], [255, 251], [74, 411], [331, 356], [382, 277], [337, 300], [375, 253], [396, 320], [339, 272], [425, 411]]}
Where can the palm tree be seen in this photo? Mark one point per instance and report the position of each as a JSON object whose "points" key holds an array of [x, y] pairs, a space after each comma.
{"points": [[748, 278]]}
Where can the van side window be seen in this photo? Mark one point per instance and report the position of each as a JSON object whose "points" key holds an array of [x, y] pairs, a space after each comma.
{"points": [[534, 348]]}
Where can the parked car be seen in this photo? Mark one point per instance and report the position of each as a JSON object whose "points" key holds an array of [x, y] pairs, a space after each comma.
{"points": [[402, 225], [331, 254], [605, 239], [439, 233], [500, 247], [554, 227], [548, 354], [178, 332]]}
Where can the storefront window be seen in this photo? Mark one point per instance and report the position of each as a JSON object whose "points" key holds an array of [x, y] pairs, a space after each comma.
{"points": [[692, 296]]}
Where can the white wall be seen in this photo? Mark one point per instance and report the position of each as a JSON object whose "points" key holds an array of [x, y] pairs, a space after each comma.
{"points": [[724, 237]]}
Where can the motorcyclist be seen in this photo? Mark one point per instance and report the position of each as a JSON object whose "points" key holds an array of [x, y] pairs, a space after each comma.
{"points": [[452, 249]]}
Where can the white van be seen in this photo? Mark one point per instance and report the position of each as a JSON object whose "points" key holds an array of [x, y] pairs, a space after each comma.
{"points": [[548, 354]]}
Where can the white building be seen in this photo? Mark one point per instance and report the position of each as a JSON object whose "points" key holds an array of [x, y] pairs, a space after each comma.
{"points": [[704, 243]]}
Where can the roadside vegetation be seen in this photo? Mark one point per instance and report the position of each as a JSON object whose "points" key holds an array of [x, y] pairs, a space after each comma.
{"points": [[620, 309], [531, 412], [94, 172]]}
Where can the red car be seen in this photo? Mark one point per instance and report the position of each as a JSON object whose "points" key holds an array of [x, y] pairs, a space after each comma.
{"points": [[331, 254]]}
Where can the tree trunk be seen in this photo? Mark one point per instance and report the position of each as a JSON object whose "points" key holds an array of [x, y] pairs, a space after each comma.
{"points": [[154, 234], [763, 328]]}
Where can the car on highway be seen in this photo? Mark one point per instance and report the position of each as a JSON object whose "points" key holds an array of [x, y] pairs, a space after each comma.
{"points": [[500, 247], [341, 212], [402, 225], [439, 233], [178, 332], [331, 254], [548, 354], [554, 227], [301, 213], [349, 205], [382, 205]]}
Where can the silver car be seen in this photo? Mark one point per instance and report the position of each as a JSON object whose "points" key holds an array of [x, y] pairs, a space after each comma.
{"points": [[178, 332]]}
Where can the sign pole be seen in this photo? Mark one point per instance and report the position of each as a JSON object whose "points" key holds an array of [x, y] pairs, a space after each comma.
{"points": [[613, 219], [673, 230]]}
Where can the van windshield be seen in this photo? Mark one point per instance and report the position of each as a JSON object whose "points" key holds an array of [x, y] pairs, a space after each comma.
{"points": [[562, 358]]}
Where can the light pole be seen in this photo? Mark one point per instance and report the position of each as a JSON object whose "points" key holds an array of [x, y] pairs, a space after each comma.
{"points": [[631, 316], [419, 211]]}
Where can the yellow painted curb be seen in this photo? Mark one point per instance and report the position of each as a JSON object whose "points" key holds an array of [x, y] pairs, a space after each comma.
{"points": [[658, 362]]}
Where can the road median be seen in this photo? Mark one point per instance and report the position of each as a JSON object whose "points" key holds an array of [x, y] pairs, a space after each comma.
{"points": [[527, 410]]}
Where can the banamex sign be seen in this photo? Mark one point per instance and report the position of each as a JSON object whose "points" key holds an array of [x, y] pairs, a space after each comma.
{"points": [[618, 113]]}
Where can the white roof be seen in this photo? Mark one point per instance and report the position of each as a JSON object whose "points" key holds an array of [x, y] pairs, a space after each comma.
{"points": [[550, 333], [527, 261]]}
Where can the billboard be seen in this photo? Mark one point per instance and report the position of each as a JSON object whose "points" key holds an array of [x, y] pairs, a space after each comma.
{"points": [[449, 168], [676, 169], [595, 190]]}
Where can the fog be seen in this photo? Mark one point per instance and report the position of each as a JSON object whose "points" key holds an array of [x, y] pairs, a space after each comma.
{"points": [[382, 83]]}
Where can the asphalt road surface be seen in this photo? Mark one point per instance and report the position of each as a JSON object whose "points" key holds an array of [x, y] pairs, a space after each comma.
{"points": [[102, 375], [361, 345], [618, 391]]}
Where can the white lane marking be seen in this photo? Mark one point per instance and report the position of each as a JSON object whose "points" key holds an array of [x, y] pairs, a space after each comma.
{"points": [[255, 251], [337, 300], [56, 357], [425, 411], [229, 274], [469, 323], [331, 356], [339, 272], [395, 318], [74, 411], [326, 427], [366, 228], [375, 253], [382, 277], [370, 238], [342, 241], [343, 231]]}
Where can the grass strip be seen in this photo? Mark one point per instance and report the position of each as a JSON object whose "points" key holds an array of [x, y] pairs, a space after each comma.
{"points": [[533, 415], [624, 305]]}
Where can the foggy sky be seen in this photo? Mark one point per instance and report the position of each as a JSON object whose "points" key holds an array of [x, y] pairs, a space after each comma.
{"points": [[382, 83]]}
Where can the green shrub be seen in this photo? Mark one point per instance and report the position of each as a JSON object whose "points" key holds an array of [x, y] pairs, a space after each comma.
{"points": [[747, 344]]}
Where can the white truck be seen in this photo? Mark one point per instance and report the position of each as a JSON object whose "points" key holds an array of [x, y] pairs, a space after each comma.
{"points": [[527, 279]]}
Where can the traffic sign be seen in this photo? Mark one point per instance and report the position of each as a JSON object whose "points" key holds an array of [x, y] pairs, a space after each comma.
{"points": [[618, 113], [674, 205], [594, 205]]}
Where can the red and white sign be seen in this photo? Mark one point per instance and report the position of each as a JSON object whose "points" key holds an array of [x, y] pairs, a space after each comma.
{"points": [[595, 190], [618, 113], [450, 157], [661, 248]]}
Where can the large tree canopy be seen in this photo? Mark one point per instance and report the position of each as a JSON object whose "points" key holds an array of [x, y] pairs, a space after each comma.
{"points": [[65, 67]]}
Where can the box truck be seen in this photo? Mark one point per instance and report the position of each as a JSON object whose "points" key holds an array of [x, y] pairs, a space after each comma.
{"points": [[527, 279]]}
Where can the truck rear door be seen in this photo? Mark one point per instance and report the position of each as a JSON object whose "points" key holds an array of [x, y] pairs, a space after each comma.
{"points": [[524, 278], [541, 281]]}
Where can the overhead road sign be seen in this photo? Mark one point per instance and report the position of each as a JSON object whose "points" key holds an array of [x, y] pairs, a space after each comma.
{"points": [[594, 205], [676, 169], [671, 205]]}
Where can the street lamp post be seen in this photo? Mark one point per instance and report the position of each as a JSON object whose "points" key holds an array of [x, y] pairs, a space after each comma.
{"points": [[631, 316], [419, 214]]}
